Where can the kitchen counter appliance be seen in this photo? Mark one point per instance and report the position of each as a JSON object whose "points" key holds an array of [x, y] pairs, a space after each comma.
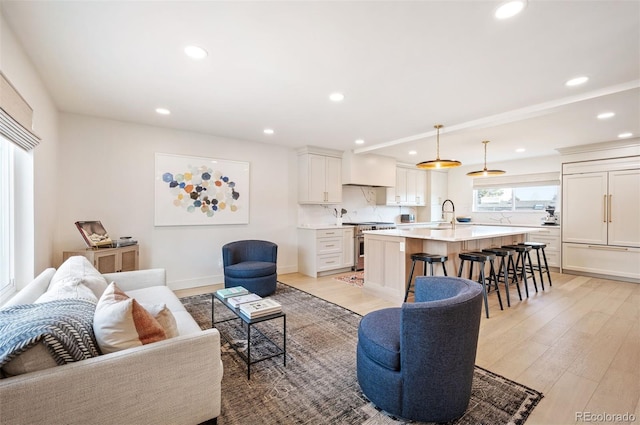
{"points": [[551, 219], [358, 239]]}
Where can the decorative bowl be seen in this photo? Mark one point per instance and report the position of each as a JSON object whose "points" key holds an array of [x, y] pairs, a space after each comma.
{"points": [[463, 219]]}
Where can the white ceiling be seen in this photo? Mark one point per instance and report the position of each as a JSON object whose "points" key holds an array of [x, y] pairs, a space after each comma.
{"points": [[402, 66]]}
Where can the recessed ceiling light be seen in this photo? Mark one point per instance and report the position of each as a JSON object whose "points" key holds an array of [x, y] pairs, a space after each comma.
{"points": [[359, 142], [268, 131], [605, 115], [576, 81], [195, 52], [520, 150], [625, 135], [163, 111], [413, 152], [510, 8], [336, 97]]}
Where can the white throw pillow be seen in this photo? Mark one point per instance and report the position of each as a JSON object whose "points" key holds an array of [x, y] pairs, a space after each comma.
{"points": [[71, 287], [164, 316], [121, 322], [80, 267]]}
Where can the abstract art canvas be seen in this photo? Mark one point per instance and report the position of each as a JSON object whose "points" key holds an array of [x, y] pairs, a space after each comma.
{"points": [[191, 190]]}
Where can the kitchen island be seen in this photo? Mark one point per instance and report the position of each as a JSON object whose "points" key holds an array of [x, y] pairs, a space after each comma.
{"points": [[388, 252]]}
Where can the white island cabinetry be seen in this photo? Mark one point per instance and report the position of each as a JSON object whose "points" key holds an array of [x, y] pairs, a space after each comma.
{"points": [[387, 262], [600, 224], [323, 251]]}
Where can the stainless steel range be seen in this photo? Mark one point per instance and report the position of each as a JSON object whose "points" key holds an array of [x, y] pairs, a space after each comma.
{"points": [[358, 239]]}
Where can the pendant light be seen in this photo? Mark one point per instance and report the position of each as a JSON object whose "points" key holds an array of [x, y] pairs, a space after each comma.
{"points": [[438, 163], [484, 172]]}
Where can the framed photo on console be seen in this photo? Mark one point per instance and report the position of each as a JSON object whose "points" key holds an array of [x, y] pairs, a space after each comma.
{"points": [[191, 190]]}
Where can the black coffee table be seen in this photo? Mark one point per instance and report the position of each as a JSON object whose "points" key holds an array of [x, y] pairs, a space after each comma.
{"points": [[280, 351]]}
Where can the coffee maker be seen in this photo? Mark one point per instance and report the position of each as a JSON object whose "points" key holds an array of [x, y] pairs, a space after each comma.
{"points": [[551, 219]]}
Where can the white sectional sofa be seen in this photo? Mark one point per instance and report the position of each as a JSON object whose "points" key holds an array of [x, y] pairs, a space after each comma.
{"points": [[175, 381]]}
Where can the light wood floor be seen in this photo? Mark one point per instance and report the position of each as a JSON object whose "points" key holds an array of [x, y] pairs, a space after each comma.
{"points": [[578, 342]]}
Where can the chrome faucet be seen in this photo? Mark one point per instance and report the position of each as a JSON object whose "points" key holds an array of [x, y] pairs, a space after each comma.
{"points": [[453, 212]]}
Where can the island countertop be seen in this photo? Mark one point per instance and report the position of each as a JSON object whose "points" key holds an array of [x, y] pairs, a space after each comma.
{"points": [[457, 234]]}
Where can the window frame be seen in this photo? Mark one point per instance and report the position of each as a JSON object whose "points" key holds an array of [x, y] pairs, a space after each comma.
{"points": [[7, 219], [514, 183]]}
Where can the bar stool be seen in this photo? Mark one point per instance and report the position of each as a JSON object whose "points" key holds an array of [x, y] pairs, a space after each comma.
{"points": [[481, 258], [521, 264], [539, 246], [504, 270], [427, 259]]}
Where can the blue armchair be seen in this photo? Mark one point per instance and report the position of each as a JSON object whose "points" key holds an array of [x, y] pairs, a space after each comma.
{"points": [[252, 264], [417, 361]]}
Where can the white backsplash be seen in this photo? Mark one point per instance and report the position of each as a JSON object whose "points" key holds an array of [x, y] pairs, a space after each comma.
{"points": [[360, 203]]}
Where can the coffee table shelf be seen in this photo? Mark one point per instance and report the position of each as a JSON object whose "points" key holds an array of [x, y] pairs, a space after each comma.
{"points": [[249, 323]]}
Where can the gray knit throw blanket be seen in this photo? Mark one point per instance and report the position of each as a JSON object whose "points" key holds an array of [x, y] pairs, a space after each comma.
{"points": [[64, 326]]}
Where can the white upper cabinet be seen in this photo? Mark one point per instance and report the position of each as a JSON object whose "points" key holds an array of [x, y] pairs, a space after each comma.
{"points": [[438, 190], [584, 208], [410, 188], [319, 179], [601, 207], [624, 208]]}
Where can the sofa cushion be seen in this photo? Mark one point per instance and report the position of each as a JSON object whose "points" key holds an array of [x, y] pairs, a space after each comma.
{"points": [[35, 358], [69, 287], [121, 322], [164, 295], [80, 267], [63, 326], [379, 337], [250, 269]]}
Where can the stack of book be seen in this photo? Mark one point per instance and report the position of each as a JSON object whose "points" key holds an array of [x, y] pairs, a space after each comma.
{"points": [[231, 292], [236, 301], [263, 307]]}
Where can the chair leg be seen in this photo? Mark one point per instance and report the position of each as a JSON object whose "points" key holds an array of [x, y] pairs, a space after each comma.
{"points": [[510, 263], [533, 275], [406, 294], [503, 269], [546, 266], [460, 269], [431, 268], [521, 258], [492, 275], [483, 282], [540, 268], [444, 269]]}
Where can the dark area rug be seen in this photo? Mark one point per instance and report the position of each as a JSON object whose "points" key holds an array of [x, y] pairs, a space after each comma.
{"points": [[318, 384]]}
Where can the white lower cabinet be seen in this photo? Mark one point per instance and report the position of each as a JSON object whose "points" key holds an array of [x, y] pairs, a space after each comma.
{"points": [[602, 259], [551, 237], [325, 251]]}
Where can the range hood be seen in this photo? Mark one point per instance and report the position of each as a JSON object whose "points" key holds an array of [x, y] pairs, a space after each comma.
{"points": [[368, 170]]}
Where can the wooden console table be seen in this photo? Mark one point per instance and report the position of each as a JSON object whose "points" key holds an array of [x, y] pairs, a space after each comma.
{"points": [[109, 260]]}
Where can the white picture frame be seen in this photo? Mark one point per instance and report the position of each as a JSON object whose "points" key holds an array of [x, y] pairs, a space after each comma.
{"points": [[192, 190]]}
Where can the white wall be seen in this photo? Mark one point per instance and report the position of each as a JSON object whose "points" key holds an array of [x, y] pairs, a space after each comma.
{"points": [[36, 172], [107, 173], [461, 189]]}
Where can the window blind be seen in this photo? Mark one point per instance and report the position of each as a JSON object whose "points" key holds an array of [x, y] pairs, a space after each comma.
{"points": [[521, 180], [16, 117]]}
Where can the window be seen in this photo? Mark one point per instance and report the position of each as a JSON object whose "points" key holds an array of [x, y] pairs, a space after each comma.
{"points": [[6, 219], [531, 192]]}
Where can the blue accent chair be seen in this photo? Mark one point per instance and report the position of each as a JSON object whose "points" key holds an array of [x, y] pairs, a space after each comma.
{"points": [[417, 361], [252, 264]]}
